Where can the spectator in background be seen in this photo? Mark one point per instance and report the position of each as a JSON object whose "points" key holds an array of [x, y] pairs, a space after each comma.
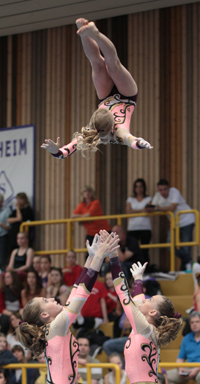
{"points": [[170, 199], [22, 257], [33, 287], [196, 296], [10, 296], [111, 298], [12, 338], [129, 251], [18, 352], [3, 376], [90, 207], [94, 311], [36, 264], [110, 378], [45, 269], [4, 228], [117, 344], [84, 358], [57, 289], [39, 376], [139, 227], [23, 212], [190, 352], [6, 356], [72, 270]]}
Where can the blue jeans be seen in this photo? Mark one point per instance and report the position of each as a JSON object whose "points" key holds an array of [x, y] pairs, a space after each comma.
{"points": [[184, 252], [115, 345]]}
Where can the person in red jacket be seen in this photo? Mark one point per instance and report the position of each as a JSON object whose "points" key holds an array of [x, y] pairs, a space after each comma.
{"points": [[91, 207], [72, 270]]}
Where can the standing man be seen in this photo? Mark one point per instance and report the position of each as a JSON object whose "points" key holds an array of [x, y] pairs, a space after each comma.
{"points": [[170, 199], [190, 352], [4, 228]]}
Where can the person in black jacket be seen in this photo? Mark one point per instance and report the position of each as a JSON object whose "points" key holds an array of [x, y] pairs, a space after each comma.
{"points": [[23, 212]]}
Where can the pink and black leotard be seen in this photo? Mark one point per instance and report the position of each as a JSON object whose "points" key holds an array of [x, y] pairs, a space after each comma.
{"points": [[121, 108], [141, 351], [62, 350]]}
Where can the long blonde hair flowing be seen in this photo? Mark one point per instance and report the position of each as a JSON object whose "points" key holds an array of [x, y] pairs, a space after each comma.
{"points": [[100, 125]]}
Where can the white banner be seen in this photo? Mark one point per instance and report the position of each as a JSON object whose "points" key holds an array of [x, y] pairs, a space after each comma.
{"points": [[17, 163]]}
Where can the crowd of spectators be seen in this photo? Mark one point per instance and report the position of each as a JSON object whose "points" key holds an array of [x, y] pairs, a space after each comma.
{"points": [[26, 275]]}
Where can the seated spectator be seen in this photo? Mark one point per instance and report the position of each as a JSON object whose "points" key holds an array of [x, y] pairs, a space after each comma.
{"points": [[94, 311], [129, 251], [22, 257], [170, 199], [90, 207], [139, 227], [72, 270], [84, 358], [111, 298], [56, 289], [36, 264], [45, 269], [117, 345], [23, 212], [39, 376], [33, 287], [10, 297], [3, 376], [12, 338], [18, 352], [110, 378], [6, 356], [190, 352], [4, 228]]}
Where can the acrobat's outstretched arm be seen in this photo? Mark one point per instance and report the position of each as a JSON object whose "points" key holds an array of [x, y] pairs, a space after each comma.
{"points": [[78, 297], [137, 271], [56, 151]]}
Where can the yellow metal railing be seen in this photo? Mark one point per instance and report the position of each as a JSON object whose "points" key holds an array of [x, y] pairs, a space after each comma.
{"points": [[69, 222], [24, 367]]}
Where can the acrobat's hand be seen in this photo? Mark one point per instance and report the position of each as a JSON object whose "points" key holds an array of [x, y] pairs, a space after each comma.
{"points": [[51, 146], [109, 245], [138, 269], [143, 143], [92, 249]]}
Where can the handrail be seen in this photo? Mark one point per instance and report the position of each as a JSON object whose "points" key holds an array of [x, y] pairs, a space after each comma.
{"points": [[102, 365], [89, 366], [25, 366], [25, 226], [177, 228], [69, 221]]}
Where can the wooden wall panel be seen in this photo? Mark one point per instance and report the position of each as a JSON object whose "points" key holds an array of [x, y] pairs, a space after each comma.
{"points": [[143, 63], [46, 80], [83, 103]]}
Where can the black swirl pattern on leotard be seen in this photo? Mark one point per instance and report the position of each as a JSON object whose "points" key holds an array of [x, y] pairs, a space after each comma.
{"points": [[48, 363], [74, 364], [150, 358], [74, 146], [124, 288], [128, 343]]}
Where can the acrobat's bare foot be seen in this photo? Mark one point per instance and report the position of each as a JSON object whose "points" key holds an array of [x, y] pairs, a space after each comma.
{"points": [[81, 22], [88, 30]]}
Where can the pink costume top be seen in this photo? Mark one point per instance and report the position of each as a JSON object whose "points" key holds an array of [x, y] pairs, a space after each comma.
{"points": [[62, 349], [140, 351], [121, 108]]}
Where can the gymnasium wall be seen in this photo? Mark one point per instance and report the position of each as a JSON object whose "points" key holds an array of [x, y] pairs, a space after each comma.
{"points": [[45, 79]]}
